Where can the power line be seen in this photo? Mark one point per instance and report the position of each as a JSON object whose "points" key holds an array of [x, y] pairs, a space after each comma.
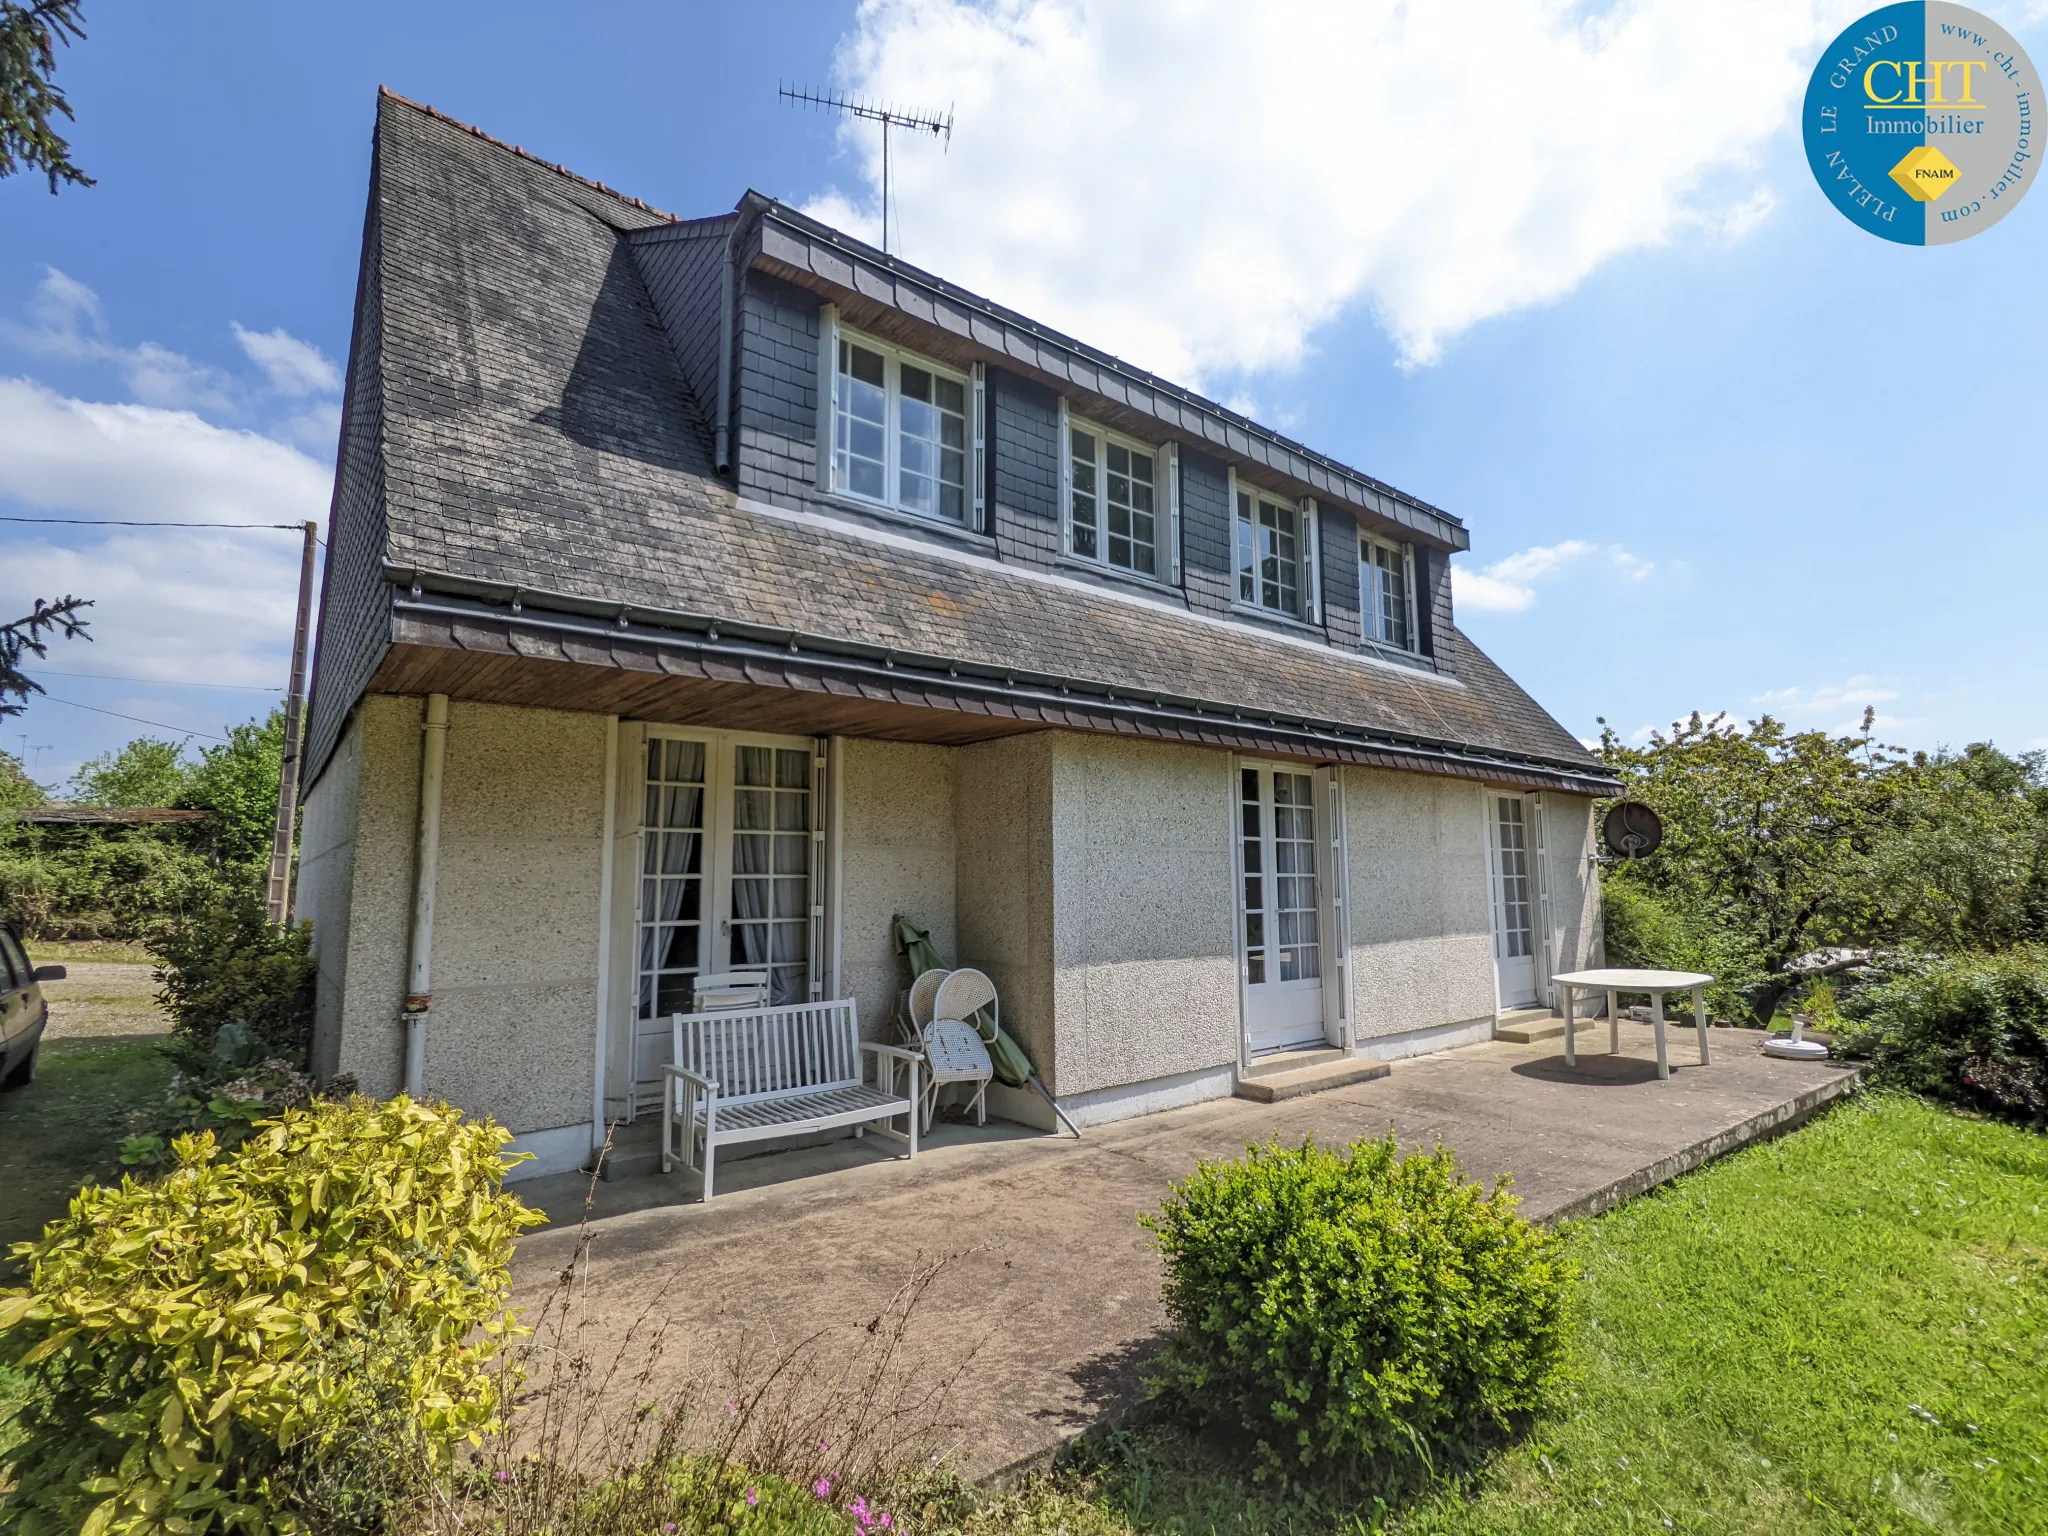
{"points": [[162, 725], [161, 682]]}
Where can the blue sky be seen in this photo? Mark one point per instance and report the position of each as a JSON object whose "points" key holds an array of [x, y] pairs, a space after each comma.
{"points": [[1717, 449]]}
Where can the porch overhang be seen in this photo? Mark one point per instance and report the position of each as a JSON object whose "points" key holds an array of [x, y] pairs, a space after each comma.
{"points": [[499, 644]]}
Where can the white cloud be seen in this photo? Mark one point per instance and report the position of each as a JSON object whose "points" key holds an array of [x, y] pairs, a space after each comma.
{"points": [[1834, 707], [1198, 184], [197, 605], [67, 322], [294, 367], [1509, 584]]}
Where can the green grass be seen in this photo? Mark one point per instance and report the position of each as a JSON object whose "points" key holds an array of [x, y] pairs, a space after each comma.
{"points": [[66, 1127], [89, 951], [1842, 1331]]}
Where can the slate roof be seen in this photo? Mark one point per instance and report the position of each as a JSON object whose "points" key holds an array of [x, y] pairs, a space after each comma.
{"points": [[517, 420]]}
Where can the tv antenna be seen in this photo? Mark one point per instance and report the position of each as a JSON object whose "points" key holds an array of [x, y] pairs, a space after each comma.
{"points": [[938, 126]]}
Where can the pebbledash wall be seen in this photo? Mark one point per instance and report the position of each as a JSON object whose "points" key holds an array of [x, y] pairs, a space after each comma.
{"points": [[1092, 877]]}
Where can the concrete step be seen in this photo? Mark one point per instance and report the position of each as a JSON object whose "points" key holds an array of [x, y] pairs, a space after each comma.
{"points": [[1293, 1061], [1341, 1073], [1526, 1026]]}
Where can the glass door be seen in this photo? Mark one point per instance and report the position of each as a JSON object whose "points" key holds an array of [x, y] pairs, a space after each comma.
{"points": [[1281, 909], [726, 869], [1514, 924]]}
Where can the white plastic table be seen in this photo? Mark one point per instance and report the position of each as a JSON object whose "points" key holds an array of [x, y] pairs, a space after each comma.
{"points": [[1614, 983]]}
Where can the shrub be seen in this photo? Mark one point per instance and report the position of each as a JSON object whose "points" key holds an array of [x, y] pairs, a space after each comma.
{"points": [[1972, 1028], [1653, 932], [223, 962], [1344, 1308], [194, 1342]]}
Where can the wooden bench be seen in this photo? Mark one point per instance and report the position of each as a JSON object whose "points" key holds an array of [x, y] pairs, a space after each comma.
{"points": [[757, 1073]]}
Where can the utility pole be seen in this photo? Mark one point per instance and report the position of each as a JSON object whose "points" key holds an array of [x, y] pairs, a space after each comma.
{"points": [[278, 901]]}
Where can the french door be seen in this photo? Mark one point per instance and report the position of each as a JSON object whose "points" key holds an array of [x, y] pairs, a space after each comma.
{"points": [[1280, 905], [728, 857], [1514, 900]]}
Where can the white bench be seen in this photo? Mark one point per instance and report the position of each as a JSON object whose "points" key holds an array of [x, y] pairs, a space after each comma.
{"points": [[757, 1073]]}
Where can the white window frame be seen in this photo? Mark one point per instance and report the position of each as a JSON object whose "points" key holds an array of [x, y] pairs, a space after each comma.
{"points": [[1369, 594], [1165, 501], [831, 334], [1304, 558]]}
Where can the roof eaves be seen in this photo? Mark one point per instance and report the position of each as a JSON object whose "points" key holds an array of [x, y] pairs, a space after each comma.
{"points": [[525, 605]]}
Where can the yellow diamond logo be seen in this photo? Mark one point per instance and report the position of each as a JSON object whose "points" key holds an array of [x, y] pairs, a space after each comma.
{"points": [[1925, 173]]}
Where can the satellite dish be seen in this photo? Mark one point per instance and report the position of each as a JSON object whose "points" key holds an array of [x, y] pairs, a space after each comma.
{"points": [[1632, 830]]}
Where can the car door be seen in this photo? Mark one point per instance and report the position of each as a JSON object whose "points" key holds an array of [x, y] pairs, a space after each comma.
{"points": [[15, 979]]}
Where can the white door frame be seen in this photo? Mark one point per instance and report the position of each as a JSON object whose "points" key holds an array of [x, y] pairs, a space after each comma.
{"points": [[716, 873], [1329, 904], [1495, 905]]}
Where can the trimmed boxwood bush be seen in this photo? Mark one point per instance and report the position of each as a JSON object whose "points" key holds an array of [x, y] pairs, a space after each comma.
{"points": [[191, 1343], [1356, 1307]]}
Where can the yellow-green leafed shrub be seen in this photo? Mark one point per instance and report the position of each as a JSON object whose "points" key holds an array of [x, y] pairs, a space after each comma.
{"points": [[192, 1342]]}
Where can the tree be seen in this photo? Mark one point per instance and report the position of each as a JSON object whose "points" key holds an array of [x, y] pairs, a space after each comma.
{"points": [[17, 789], [1768, 837], [24, 637], [237, 781], [145, 772], [29, 35], [1962, 863]]}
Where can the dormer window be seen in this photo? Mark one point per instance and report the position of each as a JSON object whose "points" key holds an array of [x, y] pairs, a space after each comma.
{"points": [[1386, 577], [899, 430], [1269, 553], [1113, 486]]}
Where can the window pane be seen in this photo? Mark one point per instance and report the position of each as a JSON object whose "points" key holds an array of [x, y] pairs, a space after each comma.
{"points": [[858, 428], [931, 442]]}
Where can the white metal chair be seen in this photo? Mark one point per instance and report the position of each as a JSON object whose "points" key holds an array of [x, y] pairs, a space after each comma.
{"points": [[730, 991], [954, 1051], [917, 1005]]}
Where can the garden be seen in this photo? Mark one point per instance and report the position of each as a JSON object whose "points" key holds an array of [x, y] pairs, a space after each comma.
{"points": [[279, 1307]]}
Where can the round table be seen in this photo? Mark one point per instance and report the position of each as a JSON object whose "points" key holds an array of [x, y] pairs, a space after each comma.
{"points": [[1616, 982]]}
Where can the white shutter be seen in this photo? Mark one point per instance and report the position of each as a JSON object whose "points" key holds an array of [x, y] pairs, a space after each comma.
{"points": [[1173, 513], [828, 389], [1311, 562], [1067, 481], [820, 750], [980, 470], [1408, 581]]}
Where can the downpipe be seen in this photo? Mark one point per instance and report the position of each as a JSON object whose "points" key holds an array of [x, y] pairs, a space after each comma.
{"points": [[419, 988]]}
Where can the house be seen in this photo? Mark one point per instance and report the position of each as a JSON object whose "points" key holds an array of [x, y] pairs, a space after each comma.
{"points": [[705, 592]]}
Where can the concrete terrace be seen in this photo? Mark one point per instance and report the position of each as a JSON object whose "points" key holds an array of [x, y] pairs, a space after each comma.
{"points": [[1056, 1288]]}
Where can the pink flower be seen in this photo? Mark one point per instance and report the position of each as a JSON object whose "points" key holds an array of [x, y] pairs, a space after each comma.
{"points": [[753, 1497], [822, 1487], [859, 1510], [501, 1476], [669, 1529], [731, 1407], [883, 1520], [824, 1446]]}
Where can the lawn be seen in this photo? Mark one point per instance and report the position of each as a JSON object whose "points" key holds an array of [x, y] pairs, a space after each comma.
{"points": [[66, 1127], [1842, 1331]]}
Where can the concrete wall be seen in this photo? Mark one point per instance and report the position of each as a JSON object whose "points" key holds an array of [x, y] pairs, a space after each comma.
{"points": [[1570, 837], [324, 885], [365, 1036], [516, 914], [1003, 880], [896, 853], [1144, 916], [1421, 934], [515, 937]]}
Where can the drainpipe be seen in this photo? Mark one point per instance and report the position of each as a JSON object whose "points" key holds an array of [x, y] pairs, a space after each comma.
{"points": [[721, 448], [426, 868]]}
